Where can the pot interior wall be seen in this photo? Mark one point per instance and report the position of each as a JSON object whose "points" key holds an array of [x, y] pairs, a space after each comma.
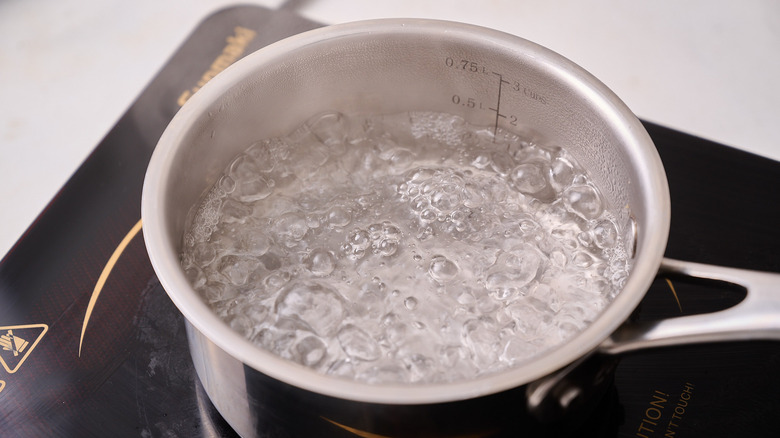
{"points": [[404, 72]]}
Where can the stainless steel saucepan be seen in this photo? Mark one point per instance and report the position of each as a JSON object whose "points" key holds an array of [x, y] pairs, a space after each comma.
{"points": [[389, 66]]}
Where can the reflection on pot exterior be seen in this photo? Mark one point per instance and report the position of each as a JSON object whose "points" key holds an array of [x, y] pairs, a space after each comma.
{"points": [[256, 405]]}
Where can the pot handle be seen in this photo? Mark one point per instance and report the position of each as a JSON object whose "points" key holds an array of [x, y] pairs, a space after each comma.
{"points": [[756, 317]]}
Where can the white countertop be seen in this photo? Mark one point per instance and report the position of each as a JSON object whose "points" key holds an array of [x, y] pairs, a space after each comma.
{"points": [[70, 68]]}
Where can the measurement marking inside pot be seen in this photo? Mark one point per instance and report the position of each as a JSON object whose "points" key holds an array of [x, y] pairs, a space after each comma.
{"points": [[497, 109]]}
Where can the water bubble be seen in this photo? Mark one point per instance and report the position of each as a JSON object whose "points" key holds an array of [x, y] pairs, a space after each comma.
{"points": [[359, 240], [481, 338], [226, 184], [419, 365], [582, 259], [528, 178], [585, 239], [566, 237], [390, 319], [528, 226], [204, 254], [315, 304], [438, 127], [375, 230], [275, 280], [342, 368], [518, 266], [481, 161], [195, 276], [358, 344], [420, 203], [253, 309], [517, 350], [410, 303], [254, 189], [442, 269], [446, 198], [561, 174], [390, 373], [251, 242], [311, 351], [604, 234], [558, 258], [237, 269], [271, 261], [619, 278], [291, 227], [428, 215], [501, 285], [243, 168], [312, 221], [330, 128], [495, 192], [205, 219], [274, 340], [451, 355], [263, 154], [235, 211], [421, 174], [390, 230], [401, 158], [321, 262], [387, 247], [241, 324], [501, 162], [306, 161], [584, 201]]}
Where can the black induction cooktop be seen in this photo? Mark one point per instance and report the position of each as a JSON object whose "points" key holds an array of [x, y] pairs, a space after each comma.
{"points": [[90, 344]]}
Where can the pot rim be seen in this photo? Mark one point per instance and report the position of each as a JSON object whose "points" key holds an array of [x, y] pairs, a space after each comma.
{"points": [[161, 246]]}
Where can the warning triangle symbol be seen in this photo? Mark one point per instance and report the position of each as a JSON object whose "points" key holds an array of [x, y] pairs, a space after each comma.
{"points": [[17, 342]]}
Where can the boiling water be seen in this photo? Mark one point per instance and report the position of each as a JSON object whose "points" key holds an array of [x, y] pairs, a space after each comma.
{"points": [[404, 248]]}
